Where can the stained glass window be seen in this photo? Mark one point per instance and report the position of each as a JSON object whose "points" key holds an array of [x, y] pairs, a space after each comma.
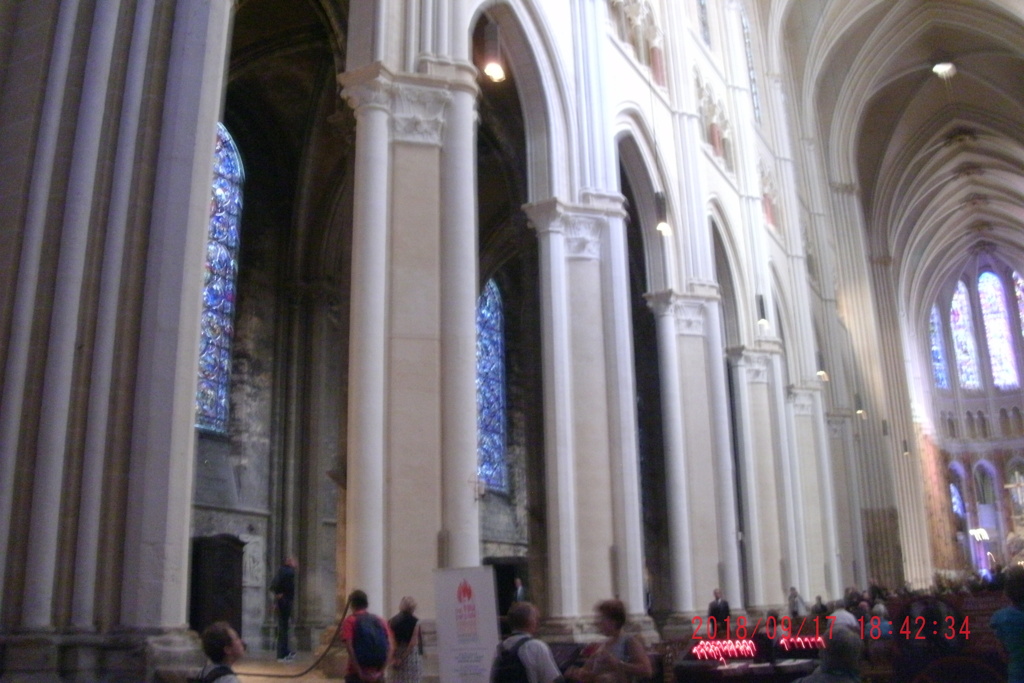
{"points": [[755, 97], [938, 350], [217, 326], [490, 389], [957, 500], [964, 348], [705, 24], [997, 330], [1018, 288]]}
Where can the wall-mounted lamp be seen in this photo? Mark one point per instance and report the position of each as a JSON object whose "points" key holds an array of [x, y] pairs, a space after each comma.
{"points": [[822, 374], [858, 407], [661, 211], [906, 447], [762, 311], [493, 67]]}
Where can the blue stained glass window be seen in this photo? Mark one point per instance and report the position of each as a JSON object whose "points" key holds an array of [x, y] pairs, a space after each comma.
{"points": [[957, 500], [964, 348], [490, 389], [997, 330], [938, 347], [217, 325]]}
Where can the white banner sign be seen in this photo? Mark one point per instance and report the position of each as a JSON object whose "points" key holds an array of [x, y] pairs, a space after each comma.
{"points": [[467, 623]]}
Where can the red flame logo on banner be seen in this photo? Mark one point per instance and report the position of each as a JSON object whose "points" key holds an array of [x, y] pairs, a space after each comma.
{"points": [[465, 592]]}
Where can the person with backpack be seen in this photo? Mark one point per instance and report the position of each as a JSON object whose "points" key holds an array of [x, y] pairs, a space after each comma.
{"points": [[369, 642], [521, 658], [223, 648]]}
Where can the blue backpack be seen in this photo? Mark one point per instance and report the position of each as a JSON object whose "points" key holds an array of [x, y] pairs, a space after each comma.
{"points": [[370, 641]]}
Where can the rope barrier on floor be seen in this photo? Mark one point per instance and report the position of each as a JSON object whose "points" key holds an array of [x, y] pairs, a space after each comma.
{"points": [[316, 662]]}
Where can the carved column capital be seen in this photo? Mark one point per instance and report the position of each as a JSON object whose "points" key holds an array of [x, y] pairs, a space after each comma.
{"points": [[581, 227], [419, 113], [367, 88], [583, 236], [803, 401]]}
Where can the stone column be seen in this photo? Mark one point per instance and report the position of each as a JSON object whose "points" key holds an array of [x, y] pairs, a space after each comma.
{"points": [[368, 91], [459, 267], [560, 482], [156, 545], [789, 477], [622, 428], [725, 471], [758, 476], [680, 545]]}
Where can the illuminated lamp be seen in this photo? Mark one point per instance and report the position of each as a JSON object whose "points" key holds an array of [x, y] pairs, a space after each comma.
{"points": [[944, 70], [661, 210], [822, 373], [493, 67], [858, 407], [762, 311]]}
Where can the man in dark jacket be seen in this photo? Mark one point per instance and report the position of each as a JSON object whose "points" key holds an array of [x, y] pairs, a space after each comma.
{"points": [[283, 588]]}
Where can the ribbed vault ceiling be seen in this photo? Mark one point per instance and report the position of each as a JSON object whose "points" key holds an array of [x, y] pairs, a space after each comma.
{"points": [[939, 165]]}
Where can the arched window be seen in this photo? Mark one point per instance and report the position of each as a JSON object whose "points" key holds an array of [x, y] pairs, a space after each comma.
{"points": [[957, 500], [997, 330], [938, 347], [217, 326], [984, 489], [705, 24], [490, 389], [1018, 289], [755, 97], [964, 348]]}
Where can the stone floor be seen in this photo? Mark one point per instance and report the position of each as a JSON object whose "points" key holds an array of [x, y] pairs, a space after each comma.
{"points": [[262, 667]]}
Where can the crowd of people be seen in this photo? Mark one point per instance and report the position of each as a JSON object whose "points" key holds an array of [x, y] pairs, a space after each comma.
{"points": [[392, 650]]}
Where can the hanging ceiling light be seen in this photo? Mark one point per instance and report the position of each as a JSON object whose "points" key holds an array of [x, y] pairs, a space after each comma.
{"points": [[493, 67], [944, 70]]}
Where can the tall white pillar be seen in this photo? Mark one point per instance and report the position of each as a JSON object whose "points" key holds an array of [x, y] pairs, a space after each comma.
{"points": [[368, 91], [752, 538], [833, 570], [96, 444], [789, 477], [676, 486], [627, 508], [159, 504], [61, 357], [459, 267], [725, 470], [29, 287], [558, 414]]}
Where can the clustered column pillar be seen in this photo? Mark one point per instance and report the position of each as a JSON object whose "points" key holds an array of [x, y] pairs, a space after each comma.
{"points": [[459, 267], [680, 545], [559, 442], [369, 92]]}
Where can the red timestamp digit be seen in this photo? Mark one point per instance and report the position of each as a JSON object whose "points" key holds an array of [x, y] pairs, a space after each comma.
{"points": [[920, 628], [950, 631]]}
